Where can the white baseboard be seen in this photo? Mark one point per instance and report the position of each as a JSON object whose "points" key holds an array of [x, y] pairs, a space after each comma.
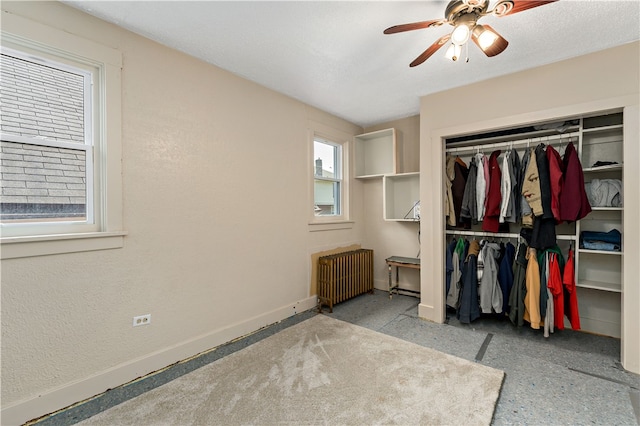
{"points": [[55, 399]]}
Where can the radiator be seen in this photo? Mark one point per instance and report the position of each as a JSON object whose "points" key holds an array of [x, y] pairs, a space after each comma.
{"points": [[342, 276]]}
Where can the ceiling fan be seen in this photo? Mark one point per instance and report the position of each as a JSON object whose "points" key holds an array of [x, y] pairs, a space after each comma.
{"points": [[463, 15]]}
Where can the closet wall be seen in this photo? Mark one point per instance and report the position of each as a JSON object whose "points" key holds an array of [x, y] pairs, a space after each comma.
{"points": [[584, 85]]}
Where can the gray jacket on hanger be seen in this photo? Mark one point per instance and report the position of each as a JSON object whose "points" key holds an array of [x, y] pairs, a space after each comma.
{"points": [[490, 292]]}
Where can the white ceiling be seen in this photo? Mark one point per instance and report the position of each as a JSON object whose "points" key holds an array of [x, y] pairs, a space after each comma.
{"points": [[334, 56]]}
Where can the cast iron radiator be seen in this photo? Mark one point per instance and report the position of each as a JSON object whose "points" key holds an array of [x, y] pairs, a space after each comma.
{"points": [[342, 276]]}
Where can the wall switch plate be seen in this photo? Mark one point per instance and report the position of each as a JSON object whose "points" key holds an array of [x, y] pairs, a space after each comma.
{"points": [[142, 320]]}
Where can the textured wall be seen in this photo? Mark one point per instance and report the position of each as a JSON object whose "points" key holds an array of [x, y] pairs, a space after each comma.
{"points": [[216, 192]]}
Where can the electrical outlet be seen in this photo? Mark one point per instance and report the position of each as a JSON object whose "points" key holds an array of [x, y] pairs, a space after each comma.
{"points": [[142, 320]]}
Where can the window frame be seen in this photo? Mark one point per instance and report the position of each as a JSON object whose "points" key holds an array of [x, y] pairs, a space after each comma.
{"points": [[33, 38], [337, 179], [92, 206], [341, 139]]}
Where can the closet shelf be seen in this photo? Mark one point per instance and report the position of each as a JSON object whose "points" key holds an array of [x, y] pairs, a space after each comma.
{"points": [[597, 285], [613, 253], [500, 234], [607, 209], [529, 142], [607, 168], [602, 128]]}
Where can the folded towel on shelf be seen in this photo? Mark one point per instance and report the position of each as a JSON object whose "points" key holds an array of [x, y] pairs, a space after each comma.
{"points": [[607, 241]]}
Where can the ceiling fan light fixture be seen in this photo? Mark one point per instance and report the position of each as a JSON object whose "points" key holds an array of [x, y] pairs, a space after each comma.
{"points": [[488, 40], [463, 15], [485, 36], [460, 34]]}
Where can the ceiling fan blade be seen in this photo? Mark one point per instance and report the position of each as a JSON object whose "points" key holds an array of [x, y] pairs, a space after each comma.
{"points": [[509, 7], [414, 26], [431, 50], [479, 38]]}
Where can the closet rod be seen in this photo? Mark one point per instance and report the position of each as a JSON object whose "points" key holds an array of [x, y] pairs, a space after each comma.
{"points": [[499, 234], [552, 140]]}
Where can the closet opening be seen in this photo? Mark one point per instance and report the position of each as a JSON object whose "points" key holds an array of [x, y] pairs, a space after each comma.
{"points": [[534, 225]]}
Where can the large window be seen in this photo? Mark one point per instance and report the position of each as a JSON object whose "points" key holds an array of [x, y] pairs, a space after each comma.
{"points": [[60, 142], [47, 141], [328, 178]]}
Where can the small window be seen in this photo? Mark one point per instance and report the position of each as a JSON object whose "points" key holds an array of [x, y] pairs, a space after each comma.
{"points": [[328, 178]]}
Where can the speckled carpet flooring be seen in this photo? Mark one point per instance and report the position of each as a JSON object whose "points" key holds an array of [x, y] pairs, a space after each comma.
{"points": [[321, 371]]}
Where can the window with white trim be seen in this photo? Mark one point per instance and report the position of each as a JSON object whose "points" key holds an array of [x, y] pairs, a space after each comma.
{"points": [[328, 182], [60, 142], [46, 142]]}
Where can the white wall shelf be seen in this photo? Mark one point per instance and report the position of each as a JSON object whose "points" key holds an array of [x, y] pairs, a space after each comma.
{"points": [[376, 154], [400, 194]]}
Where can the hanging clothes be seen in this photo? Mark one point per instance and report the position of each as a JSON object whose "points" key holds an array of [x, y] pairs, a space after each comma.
{"points": [[449, 265], [506, 204], [468, 309], [526, 215], [548, 318], [453, 287], [490, 292], [556, 172], [519, 289], [544, 225], [469, 211], [492, 213], [532, 296], [531, 186], [460, 244], [514, 199], [545, 181], [481, 185], [449, 175], [543, 235], [505, 275], [570, 296], [544, 295], [457, 189], [480, 265], [574, 204], [487, 172], [554, 284]]}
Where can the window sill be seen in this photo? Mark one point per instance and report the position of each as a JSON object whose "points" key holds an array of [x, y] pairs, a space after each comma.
{"points": [[330, 226], [43, 245]]}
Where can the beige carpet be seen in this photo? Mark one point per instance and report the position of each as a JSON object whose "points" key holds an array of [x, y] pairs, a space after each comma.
{"points": [[321, 371]]}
